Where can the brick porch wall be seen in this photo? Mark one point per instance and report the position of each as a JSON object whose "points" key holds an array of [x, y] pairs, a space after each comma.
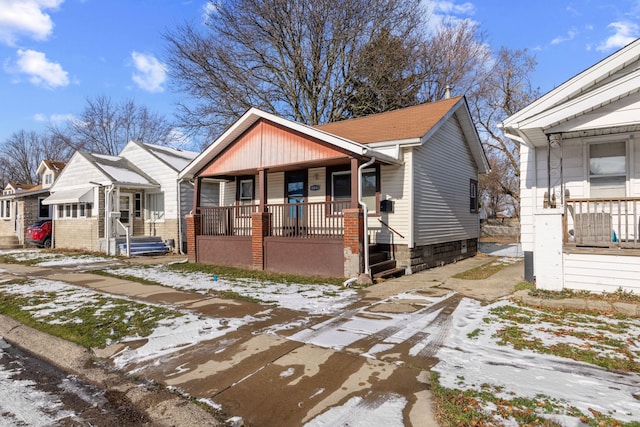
{"points": [[193, 230], [353, 242]]}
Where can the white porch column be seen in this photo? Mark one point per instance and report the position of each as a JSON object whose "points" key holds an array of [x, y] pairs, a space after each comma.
{"points": [[547, 255]]}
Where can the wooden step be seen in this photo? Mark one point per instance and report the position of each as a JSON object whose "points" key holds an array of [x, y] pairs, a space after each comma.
{"points": [[377, 257], [382, 266], [388, 274]]}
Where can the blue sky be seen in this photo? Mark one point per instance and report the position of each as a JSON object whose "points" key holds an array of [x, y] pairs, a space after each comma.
{"points": [[57, 53]]}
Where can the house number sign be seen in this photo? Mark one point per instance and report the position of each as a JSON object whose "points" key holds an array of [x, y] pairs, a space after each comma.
{"points": [[314, 187]]}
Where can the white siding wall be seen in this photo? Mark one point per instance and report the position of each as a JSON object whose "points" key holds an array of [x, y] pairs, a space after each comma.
{"points": [[442, 170], [161, 172], [601, 273], [275, 188], [395, 186], [317, 176]]}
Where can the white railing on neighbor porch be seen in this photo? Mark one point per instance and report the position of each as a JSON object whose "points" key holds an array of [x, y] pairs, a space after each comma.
{"points": [[603, 222]]}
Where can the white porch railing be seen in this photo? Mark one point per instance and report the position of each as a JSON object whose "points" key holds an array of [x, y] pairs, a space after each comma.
{"points": [[602, 222]]}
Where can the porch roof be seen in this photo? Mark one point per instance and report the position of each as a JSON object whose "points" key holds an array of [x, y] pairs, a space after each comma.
{"points": [[601, 100], [76, 195], [253, 115]]}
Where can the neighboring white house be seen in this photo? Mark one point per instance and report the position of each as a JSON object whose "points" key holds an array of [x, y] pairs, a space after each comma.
{"points": [[99, 199], [580, 178], [291, 197], [21, 205]]}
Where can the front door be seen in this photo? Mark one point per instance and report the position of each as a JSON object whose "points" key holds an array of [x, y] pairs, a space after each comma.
{"points": [[296, 192], [126, 210]]}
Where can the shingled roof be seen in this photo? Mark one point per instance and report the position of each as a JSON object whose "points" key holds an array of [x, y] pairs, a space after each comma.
{"points": [[406, 123]]}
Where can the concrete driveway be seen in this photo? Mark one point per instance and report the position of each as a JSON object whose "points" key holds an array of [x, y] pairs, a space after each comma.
{"points": [[272, 377]]}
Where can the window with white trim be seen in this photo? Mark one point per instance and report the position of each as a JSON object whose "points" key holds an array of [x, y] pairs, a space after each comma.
{"points": [[5, 209], [155, 207], [608, 169], [48, 178], [341, 188], [245, 192]]}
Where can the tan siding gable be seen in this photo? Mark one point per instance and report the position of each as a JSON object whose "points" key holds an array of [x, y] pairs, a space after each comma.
{"points": [[266, 145]]}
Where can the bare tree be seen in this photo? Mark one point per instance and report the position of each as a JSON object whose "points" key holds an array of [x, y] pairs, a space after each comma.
{"points": [[506, 89], [292, 57], [24, 151], [455, 56], [497, 186], [385, 76], [106, 127]]}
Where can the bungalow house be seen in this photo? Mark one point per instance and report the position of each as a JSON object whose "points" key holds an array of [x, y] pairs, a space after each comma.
{"points": [[580, 178], [111, 203], [388, 193], [21, 205]]}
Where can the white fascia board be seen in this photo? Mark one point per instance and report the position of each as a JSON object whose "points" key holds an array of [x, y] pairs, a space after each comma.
{"points": [[589, 101], [577, 84]]}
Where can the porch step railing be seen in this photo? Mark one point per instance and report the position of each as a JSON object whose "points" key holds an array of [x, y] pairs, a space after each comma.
{"points": [[603, 222]]}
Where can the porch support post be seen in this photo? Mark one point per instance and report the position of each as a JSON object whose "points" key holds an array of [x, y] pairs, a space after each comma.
{"points": [[262, 182], [354, 183], [193, 230], [353, 242], [260, 227]]}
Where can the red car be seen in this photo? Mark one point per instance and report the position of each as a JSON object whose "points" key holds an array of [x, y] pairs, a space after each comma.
{"points": [[39, 234]]}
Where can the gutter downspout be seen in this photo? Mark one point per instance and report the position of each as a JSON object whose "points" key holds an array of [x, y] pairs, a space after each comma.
{"points": [[366, 214], [107, 219]]}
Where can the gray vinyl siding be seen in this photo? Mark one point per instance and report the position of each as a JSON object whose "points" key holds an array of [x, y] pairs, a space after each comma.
{"points": [[443, 168]]}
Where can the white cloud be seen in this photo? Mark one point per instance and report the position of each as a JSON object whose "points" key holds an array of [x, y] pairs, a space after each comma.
{"points": [[624, 33], [571, 34], [26, 17], [54, 118], [150, 73], [41, 71], [451, 8]]}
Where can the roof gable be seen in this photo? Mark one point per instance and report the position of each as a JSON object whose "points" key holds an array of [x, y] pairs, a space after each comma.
{"points": [[268, 145], [174, 158], [610, 80]]}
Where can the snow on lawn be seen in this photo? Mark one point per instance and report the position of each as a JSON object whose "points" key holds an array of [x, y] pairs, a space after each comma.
{"points": [[49, 259], [469, 363], [171, 334], [313, 299], [21, 404]]}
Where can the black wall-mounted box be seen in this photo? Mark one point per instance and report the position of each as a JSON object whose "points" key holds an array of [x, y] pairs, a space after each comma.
{"points": [[386, 205]]}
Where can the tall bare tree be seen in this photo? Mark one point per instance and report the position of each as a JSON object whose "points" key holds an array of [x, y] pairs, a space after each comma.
{"points": [[385, 76], [105, 126], [505, 90], [292, 57], [23, 152], [455, 56]]}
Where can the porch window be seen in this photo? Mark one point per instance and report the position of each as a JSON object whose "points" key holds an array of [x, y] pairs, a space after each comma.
{"points": [[155, 207], [245, 191], [341, 187], [44, 211], [137, 212], [84, 210], [608, 169], [5, 209]]}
